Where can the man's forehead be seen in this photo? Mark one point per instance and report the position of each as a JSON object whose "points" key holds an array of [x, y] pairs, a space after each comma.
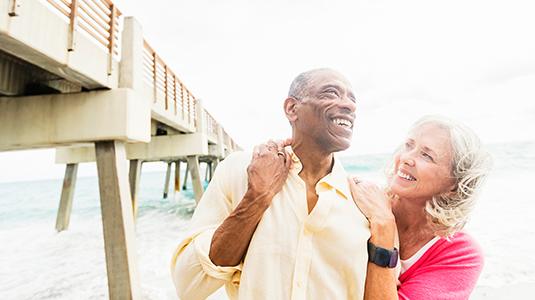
{"points": [[326, 77]]}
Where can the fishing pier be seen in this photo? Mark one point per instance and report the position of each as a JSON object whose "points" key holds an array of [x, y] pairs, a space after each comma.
{"points": [[77, 76]]}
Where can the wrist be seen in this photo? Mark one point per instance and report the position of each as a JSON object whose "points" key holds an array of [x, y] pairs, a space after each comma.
{"points": [[381, 256]]}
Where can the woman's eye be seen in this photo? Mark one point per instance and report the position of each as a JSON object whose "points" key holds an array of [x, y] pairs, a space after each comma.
{"points": [[408, 146], [427, 156]]}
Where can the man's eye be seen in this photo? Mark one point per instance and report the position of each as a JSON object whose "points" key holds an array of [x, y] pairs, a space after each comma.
{"points": [[334, 92]]}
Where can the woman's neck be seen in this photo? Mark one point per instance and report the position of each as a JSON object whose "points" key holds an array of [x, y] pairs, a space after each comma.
{"points": [[413, 229]]}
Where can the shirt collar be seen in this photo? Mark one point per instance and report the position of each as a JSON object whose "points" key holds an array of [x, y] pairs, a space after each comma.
{"points": [[336, 179]]}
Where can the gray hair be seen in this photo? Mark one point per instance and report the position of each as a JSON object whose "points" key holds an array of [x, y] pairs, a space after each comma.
{"points": [[470, 166], [299, 87]]}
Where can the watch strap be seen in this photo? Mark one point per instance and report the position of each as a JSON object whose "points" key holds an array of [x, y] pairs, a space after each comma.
{"points": [[381, 256]]}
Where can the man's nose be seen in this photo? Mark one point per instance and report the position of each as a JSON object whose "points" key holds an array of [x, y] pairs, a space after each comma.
{"points": [[348, 104]]}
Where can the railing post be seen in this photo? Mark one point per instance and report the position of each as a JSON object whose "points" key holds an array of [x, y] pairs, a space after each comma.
{"points": [[111, 39], [131, 65], [166, 87], [155, 76], [201, 119], [220, 141], [73, 25], [14, 7]]}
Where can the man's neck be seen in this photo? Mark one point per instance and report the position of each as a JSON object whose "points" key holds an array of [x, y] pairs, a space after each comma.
{"points": [[316, 165]]}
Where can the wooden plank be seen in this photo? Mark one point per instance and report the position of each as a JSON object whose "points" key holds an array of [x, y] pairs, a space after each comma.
{"points": [[117, 221], [167, 177], [193, 166], [186, 177], [177, 176], [67, 194], [73, 24], [134, 176]]}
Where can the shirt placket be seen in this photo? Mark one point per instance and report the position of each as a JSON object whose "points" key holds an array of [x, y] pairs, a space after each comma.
{"points": [[305, 246]]}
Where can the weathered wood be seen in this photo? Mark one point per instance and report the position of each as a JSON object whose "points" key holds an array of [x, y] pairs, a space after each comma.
{"points": [[193, 166], [208, 170], [215, 163], [67, 193], [167, 177], [186, 177], [177, 176], [117, 221], [134, 175], [73, 25], [14, 7]]}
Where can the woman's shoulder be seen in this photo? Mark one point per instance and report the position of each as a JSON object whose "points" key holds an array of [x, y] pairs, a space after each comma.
{"points": [[461, 244]]}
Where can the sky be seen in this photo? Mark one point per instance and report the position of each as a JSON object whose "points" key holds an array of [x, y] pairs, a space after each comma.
{"points": [[472, 60]]}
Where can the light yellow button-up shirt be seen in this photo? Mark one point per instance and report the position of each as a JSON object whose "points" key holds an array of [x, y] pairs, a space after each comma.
{"points": [[292, 254]]}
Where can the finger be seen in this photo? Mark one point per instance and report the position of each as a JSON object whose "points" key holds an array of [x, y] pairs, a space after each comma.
{"points": [[288, 142]]}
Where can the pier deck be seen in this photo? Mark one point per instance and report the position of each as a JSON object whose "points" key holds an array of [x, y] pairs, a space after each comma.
{"points": [[79, 77]]}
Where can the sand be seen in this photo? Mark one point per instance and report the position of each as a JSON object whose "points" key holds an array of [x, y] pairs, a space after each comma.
{"points": [[519, 291]]}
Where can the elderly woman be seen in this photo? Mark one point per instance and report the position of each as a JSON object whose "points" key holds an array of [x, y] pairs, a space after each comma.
{"points": [[433, 182]]}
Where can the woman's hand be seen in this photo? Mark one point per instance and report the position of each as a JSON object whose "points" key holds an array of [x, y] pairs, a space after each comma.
{"points": [[269, 168], [374, 203]]}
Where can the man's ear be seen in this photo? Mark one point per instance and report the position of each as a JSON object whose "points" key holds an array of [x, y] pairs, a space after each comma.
{"points": [[290, 108]]}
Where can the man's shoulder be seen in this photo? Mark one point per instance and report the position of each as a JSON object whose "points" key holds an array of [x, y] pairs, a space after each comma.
{"points": [[234, 163], [238, 158]]}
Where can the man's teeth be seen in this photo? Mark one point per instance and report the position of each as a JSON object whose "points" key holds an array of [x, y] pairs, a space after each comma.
{"points": [[403, 175], [342, 122]]}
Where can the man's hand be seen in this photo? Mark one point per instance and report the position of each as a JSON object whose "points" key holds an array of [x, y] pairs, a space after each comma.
{"points": [[268, 169], [267, 174]]}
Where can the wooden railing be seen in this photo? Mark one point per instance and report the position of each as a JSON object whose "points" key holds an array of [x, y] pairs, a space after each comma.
{"points": [[98, 18], [164, 81], [211, 126]]}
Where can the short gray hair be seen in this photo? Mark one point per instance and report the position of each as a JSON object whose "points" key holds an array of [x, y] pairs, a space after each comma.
{"points": [[470, 166], [299, 87]]}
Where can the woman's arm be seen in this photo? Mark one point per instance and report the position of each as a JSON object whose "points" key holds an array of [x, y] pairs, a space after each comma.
{"points": [[381, 282]]}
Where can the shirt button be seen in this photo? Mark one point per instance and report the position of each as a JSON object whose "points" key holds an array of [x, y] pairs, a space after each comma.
{"points": [[299, 186], [299, 283], [306, 231]]}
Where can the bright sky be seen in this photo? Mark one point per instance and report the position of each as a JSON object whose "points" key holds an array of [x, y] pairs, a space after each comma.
{"points": [[470, 60]]}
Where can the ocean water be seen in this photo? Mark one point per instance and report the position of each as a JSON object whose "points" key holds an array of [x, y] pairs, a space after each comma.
{"points": [[37, 262]]}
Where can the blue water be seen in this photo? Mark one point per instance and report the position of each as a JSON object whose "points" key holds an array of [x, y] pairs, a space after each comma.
{"points": [[36, 262]]}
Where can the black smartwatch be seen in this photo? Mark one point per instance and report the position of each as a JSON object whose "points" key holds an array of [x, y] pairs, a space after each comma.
{"points": [[381, 256]]}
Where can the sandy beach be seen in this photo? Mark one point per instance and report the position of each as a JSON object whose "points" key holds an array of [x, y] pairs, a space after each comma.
{"points": [[519, 291]]}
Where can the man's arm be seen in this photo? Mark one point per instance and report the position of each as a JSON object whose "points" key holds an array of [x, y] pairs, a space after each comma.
{"points": [[267, 174]]}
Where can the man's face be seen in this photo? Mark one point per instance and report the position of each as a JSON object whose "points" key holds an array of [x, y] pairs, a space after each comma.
{"points": [[327, 112]]}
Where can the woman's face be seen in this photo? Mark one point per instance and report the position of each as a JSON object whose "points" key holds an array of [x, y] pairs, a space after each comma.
{"points": [[422, 167]]}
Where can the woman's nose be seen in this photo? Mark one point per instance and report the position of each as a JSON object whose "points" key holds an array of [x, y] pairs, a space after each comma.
{"points": [[408, 158]]}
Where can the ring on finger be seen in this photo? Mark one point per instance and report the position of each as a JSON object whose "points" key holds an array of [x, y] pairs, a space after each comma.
{"points": [[357, 181], [282, 154]]}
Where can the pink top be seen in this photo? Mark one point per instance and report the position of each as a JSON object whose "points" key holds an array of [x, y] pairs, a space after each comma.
{"points": [[448, 270]]}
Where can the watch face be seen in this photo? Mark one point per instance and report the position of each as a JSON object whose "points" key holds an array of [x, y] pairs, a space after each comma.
{"points": [[382, 257]]}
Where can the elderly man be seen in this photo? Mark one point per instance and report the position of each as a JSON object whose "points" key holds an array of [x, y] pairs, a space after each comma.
{"points": [[282, 224]]}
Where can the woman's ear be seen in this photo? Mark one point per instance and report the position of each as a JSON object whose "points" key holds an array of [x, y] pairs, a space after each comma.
{"points": [[290, 108]]}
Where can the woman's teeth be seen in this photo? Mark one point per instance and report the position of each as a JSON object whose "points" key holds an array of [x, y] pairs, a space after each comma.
{"points": [[403, 175]]}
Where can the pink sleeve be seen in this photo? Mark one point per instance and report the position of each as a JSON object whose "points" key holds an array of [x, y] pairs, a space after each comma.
{"points": [[448, 270]]}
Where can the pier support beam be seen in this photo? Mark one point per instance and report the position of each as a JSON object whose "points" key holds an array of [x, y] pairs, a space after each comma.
{"points": [[186, 177], [167, 177], [117, 221], [177, 176], [67, 193], [134, 175], [193, 167]]}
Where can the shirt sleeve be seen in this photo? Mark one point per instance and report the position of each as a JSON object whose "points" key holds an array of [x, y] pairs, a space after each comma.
{"points": [[449, 271], [194, 274]]}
